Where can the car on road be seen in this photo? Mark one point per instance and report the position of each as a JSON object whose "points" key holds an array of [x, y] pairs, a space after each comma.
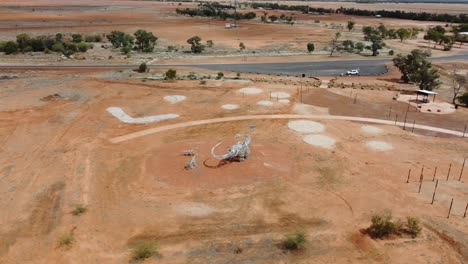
{"points": [[353, 72]]}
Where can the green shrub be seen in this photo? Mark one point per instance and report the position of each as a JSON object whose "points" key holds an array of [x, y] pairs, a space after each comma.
{"points": [[219, 76], [209, 43], [171, 74], [295, 241], [58, 47], [82, 47], [382, 225], [413, 227], [144, 250], [77, 38], [2, 46], [67, 240], [391, 52], [126, 49], [79, 210]]}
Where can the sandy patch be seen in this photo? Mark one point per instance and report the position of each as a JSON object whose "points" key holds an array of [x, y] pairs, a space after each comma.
{"points": [[306, 126], [122, 116], [174, 98], [284, 101], [194, 209], [379, 145], [320, 141], [250, 90], [279, 95], [371, 130], [230, 106], [264, 103]]}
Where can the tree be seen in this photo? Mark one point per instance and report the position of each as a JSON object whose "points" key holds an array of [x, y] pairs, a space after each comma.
{"points": [[23, 40], [416, 68], [145, 41], [351, 25], [171, 74], [58, 37], [241, 46], [126, 50], [120, 39], [273, 18], [143, 67], [376, 44], [196, 47], [403, 34], [348, 45], [458, 84], [77, 38], [10, 47], [463, 99], [334, 43], [310, 47]]}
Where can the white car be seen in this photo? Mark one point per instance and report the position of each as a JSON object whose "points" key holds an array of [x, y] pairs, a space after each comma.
{"points": [[353, 72]]}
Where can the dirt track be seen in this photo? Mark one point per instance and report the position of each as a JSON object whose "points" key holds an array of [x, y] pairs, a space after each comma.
{"points": [[242, 118]]}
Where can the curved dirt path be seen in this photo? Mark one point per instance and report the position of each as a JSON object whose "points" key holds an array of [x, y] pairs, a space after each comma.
{"points": [[150, 131]]}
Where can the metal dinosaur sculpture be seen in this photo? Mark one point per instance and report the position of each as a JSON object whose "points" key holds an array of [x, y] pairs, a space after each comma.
{"points": [[238, 152]]}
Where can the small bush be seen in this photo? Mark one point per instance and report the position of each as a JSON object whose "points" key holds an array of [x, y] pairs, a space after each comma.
{"points": [[209, 43], [382, 225], [219, 76], [171, 74], [67, 240], [172, 48], [143, 67], [144, 250], [295, 241], [241, 46], [413, 227], [391, 52], [79, 210]]}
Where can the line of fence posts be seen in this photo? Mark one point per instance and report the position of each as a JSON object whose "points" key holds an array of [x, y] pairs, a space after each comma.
{"points": [[421, 179]]}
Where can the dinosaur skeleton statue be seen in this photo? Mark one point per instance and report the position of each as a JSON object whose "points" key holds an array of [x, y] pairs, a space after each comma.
{"points": [[192, 163], [238, 152]]}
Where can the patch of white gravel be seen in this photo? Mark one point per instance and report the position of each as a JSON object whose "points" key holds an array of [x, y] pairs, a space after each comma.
{"points": [[230, 106], [250, 90], [284, 101], [122, 116], [194, 209], [371, 130], [279, 95], [306, 126], [264, 103], [174, 98], [320, 141], [379, 145]]}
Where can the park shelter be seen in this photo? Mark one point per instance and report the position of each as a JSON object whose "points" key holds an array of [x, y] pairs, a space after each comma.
{"points": [[425, 95]]}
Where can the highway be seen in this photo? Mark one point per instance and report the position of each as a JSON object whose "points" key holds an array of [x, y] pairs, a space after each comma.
{"points": [[312, 68]]}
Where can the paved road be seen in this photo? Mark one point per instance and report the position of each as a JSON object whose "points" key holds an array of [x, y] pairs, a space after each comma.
{"points": [[318, 68], [150, 131]]}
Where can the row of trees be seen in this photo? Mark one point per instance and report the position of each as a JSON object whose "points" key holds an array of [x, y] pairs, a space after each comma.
{"points": [[141, 40], [215, 9], [273, 18], [422, 16], [57, 43], [383, 32]]}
